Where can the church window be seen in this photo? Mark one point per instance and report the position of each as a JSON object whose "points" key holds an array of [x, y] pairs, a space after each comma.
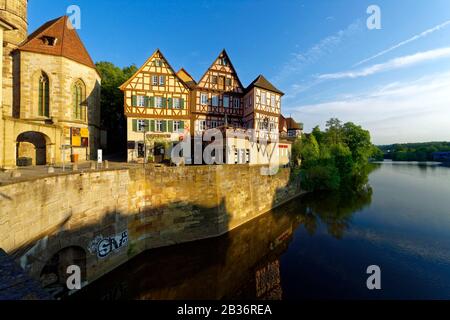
{"points": [[44, 96], [79, 97]]}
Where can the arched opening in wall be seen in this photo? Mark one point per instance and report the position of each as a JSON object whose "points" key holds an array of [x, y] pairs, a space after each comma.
{"points": [[54, 275], [33, 148]]}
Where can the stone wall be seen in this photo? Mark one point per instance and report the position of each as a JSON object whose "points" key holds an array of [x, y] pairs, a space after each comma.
{"points": [[156, 206]]}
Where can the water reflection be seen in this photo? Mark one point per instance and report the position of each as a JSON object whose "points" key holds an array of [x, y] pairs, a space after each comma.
{"points": [[244, 264]]}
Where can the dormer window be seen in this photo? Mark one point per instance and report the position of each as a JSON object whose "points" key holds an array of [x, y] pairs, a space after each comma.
{"points": [[49, 41]]}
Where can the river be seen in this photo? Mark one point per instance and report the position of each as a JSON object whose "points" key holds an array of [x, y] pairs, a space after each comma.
{"points": [[318, 246]]}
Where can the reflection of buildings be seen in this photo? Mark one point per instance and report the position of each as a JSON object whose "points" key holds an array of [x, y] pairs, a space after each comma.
{"points": [[166, 106], [50, 90], [242, 264]]}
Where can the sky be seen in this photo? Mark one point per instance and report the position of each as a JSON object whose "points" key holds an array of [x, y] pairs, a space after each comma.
{"points": [[394, 81]]}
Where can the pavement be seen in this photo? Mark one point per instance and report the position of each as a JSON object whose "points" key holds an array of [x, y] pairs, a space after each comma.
{"points": [[22, 174]]}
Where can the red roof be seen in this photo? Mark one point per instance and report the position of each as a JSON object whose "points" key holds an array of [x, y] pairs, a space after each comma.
{"points": [[68, 44]]}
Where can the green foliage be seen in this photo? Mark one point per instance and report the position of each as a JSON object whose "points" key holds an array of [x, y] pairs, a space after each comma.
{"points": [[112, 113], [377, 154], [335, 158], [414, 151]]}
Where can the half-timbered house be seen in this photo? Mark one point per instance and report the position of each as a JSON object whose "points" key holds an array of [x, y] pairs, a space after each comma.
{"points": [[217, 98], [157, 103], [162, 104]]}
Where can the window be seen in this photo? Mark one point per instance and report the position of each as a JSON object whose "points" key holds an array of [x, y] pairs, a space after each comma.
{"points": [[141, 126], [155, 80], [226, 101], [44, 96], [162, 80], [140, 101], [202, 125], [159, 126], [49, 41], [272, 126], [263, 98], [214, 79], [204, 99], [79, 109], [222, 82], [158, 62], [236, 102], [273, 102], [176, 103], [215, 100], [159, 102], [228, 81], [214, 124], [223, 61], [176, 126]]}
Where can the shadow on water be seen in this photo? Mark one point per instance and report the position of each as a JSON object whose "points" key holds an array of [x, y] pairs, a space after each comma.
{"points": [[243, 264]]}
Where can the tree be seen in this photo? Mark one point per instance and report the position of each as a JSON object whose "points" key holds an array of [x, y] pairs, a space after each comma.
{"points": [[334, 131], [358, 140], [319, 135], [112, 112], [335, 158]]}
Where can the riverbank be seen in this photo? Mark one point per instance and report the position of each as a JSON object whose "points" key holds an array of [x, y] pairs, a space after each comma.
{"points": [[102, 219], [317, 246]]}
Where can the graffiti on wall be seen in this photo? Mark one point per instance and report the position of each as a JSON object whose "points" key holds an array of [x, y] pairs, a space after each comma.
{"points": [[104, 246]]}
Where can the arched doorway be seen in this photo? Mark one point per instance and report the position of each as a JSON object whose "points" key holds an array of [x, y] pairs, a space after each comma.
{"points": [[54, 274], [33, 145]]}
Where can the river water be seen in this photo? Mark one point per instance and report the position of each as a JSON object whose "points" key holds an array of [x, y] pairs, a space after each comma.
{"points": [[318, 246]]}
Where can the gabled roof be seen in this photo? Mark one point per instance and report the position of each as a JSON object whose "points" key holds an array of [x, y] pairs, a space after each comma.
{"points": [[225, 54], [263, 83], [123, 86], [187, 78], [282, 123], [68, 44], [292, 124]]}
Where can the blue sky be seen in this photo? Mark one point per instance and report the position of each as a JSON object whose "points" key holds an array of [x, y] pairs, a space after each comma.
{"points": [[394, 81]]}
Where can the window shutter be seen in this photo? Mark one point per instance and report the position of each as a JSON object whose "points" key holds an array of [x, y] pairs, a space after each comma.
{"points": [[146, 101], [152, 102], [164, 103], [164, 125], [170, 126], [181, 125], [134, 125], [182, 103], [152, 125], [147, 125], [133, 101], [170, 103]]}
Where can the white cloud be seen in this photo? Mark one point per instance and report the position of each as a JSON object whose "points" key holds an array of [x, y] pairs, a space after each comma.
{"points": [[415, 111], [317, 51], [393, 64], [400, 44]]}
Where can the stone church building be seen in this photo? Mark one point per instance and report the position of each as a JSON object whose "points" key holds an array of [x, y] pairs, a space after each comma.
{"points": [[49, 94]]}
